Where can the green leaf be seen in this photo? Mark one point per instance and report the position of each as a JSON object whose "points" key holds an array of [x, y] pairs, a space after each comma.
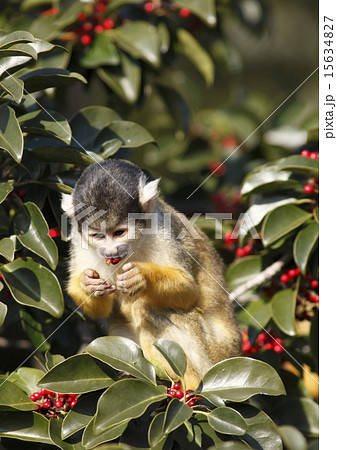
{"points": [[283, 306], [41, 79], [26, 378], [177, 106], [243, 270], [281, 221], [230, 445], [109, 148], [18, 50], [301, 413], [260, 318], [31, 229], [140, 39], [26, 426], [268, 178], [13, 396], [3, 313], [88, 122], [90, 439], [204, 9], [15, 37], [299, 164], [304, 244], [7, 248], [13, 87], [175, 415], [55, 435], [102, 52], [227, 421], [155, 433], [5, 188], [77, 374], [173, 354], [52, 360], [33, 285], [316, 214], [292, 438], [46, 123], [130, 134], [11, 138], [80, 415], [63, 155], [238, 379], [124, 355], [34, 331], [191, 48], [125, 400]]}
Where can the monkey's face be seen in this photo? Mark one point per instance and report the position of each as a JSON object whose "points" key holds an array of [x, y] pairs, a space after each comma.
{"points": [[111, 243]]}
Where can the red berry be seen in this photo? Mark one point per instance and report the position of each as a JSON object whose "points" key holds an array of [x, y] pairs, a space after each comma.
{"points": [[277, 348], [268, 346], [59, 403], [297, 271], [87, 26], [285, 278], [179, 394], [32, 397], [149, 7], [247, 249], [316, 299], [314, 284], [172, 392], [308, 188], [229, 142], [86, 39], [314, 155], [240, 252], [54, 232], [46, 404], [292, 273], [98, 28], [305, 153], [217, 168], [246, 346], [72, 396], [262, 337], [184, 12], [101, 7], [191, 403], [73, 403], [82, 16], [108, 24], [176, 386], [36, 395]]}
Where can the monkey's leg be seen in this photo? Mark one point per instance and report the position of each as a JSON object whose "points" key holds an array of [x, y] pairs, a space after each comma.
{"points": [[163, 287], [96, 302]]}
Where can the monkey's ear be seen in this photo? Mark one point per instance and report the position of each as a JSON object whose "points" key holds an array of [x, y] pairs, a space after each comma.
{"points": [[148, 194], [67, 204]]}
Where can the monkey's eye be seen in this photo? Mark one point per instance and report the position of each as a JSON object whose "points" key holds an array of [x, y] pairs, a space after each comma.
{"points": [[98, 236], [119, 232]]}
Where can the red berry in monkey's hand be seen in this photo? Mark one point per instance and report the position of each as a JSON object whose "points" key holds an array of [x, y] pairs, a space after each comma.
{"points": [[109, 261]]}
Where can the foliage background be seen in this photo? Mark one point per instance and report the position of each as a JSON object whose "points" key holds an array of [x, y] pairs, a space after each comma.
{"points": [[191, 95]]}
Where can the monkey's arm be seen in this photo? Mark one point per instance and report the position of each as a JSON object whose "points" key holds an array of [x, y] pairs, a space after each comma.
{"points": [[92, 294], [164, 287]]}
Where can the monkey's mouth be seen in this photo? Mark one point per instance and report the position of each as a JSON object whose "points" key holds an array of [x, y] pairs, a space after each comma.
{"points": [[109, 261]]}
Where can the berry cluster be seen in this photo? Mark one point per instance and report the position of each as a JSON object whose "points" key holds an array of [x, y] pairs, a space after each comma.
{"points": [[189, 397], [52, 404], [150, 7], [307, 154], [264, 341], [290, 275], [231, 240]]}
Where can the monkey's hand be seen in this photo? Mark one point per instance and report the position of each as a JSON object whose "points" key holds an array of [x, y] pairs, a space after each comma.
{"points": [[132, 280], [93, 284]]}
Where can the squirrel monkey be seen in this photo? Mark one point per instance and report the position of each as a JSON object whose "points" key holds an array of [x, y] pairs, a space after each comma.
{"points": [[166, 279]]}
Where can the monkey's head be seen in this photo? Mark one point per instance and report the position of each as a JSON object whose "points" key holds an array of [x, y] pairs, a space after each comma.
{"points": [[107, 206]]}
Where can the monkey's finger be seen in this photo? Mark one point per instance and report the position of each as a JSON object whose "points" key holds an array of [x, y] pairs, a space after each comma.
{"points": [[94, 282], [105, 292], [91, 273], [128, 274], [128, 266]]}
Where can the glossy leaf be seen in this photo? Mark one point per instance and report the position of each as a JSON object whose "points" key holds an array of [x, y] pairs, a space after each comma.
{"points": [[141, 40], [18, 50], [283, 306], [175, 415], [281, 221], [292, 438], [191, 48], [88, 122], [102, 52], [156, 433], [243, 270], [46, 123], [204, 9], [11, 138], [31, 229], [316, 214], [125, 80], [13, 396], [13, 87], [33, 285], [7, 248], [124, 355], [63, 155], [5, 188], [78, 374], [34, 331], [129, 133], [125, 400], [40, 79], [301, 413], [15, 37], [52, 360], [304, 244], [227, 421], [55, 436], [299, 164], [238, 379], [173, 354], [3, 313], [27, 426], [26, 378], [267, 178], [90, 439]]}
